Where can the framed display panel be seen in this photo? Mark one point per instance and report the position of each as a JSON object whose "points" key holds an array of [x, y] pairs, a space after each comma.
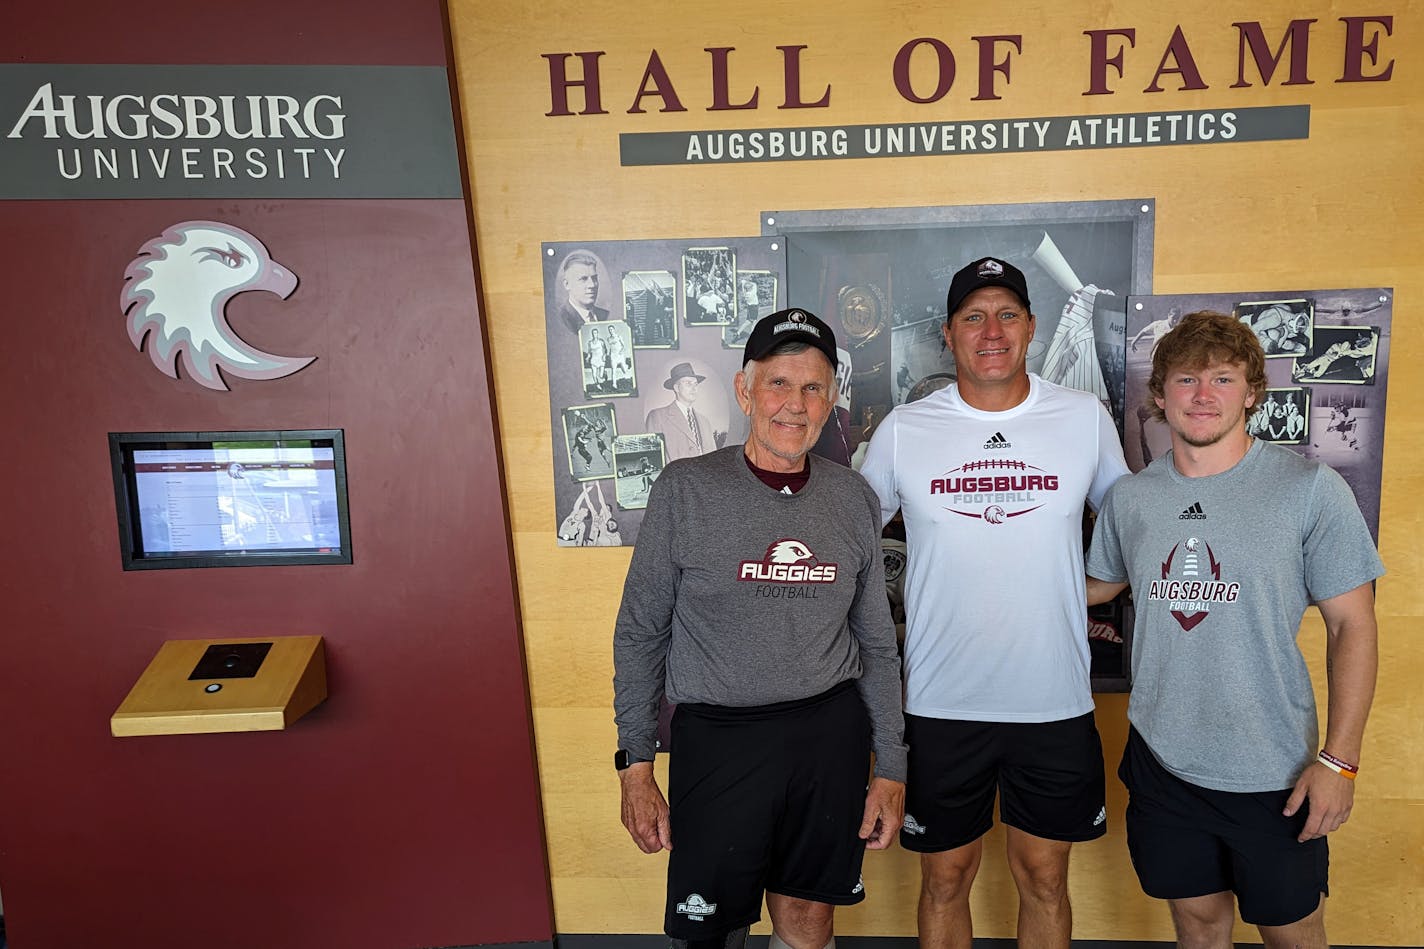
{"points": [[879, 276], [230, 499], [644, 338]]}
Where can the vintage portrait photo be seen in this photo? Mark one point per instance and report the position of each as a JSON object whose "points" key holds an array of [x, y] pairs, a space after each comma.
{"points": [[756, 297], [589, 431], [709, 286], [579, 293], [692, 414], [1284, 327], [1342, 354], [591, 522], [650, 308], [606, 351], [639, 460], [1283, 417]]}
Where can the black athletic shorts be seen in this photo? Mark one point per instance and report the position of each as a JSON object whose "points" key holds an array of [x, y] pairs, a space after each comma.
{"points": [[1188, 841], [765, 798], [1048, 776]]}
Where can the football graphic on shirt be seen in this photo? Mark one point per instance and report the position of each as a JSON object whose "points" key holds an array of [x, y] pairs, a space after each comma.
{"points": [[1190, 587], [994, 489]]}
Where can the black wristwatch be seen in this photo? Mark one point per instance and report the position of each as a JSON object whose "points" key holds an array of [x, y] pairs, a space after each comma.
{"points": [[621, 759]]}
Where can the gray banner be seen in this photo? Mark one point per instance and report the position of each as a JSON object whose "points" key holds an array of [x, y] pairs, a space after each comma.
{"points": [[85, 132], [1052, 133]]}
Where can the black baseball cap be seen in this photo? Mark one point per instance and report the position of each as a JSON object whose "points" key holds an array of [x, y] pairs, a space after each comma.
{"points": [[986, 272], [793, 324]]}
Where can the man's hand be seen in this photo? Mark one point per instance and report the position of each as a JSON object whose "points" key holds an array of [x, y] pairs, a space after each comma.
{"points": [[884, 812], [1331, 796], [645, 811]]}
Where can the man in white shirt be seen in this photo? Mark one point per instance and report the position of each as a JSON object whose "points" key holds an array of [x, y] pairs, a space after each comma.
{"points": [[991, 474]]}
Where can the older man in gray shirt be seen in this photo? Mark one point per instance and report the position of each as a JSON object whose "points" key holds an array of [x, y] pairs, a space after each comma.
{"points": [[756, 602]]}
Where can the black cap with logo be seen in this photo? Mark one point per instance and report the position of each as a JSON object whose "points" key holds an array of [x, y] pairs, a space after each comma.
{"points": [[986, 272], [793, 324]]}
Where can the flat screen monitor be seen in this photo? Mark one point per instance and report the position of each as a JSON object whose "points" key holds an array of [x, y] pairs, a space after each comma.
{"points": [[230, 499]]}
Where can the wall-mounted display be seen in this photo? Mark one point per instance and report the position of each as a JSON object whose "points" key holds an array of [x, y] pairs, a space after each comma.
{"points": [[230, 499], [644, 339]]}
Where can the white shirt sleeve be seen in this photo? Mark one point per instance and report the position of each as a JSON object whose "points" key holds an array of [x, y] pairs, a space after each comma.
{"points": [[879, 469], [1111, 465]]}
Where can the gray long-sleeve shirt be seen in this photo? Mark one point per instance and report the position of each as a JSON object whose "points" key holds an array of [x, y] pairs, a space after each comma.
{"points": [[740, 595]]}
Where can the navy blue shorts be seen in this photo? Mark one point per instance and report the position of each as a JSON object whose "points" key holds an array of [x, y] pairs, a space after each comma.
{"points": [[1189, 841]]}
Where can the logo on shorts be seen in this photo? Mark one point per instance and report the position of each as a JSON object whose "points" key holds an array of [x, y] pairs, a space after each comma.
{"points": [[1102, 817], [859, 886], [696, 908], [912, 826]]}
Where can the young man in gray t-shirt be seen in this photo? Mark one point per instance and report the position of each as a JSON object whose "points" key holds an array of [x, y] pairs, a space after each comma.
{"points": [[1225, 541]]}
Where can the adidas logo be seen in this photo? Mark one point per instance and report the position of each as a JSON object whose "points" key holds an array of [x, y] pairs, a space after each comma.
{"points": [[1193, 513], [912, 826], [1102, 816], [859, 886], [998, 441]]}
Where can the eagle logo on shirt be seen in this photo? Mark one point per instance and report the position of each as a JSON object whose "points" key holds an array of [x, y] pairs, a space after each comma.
{"points": [[787, 560]]}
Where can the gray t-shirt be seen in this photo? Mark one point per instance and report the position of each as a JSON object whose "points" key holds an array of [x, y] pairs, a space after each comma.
{"points": [[1222, 569], [740, 595]]}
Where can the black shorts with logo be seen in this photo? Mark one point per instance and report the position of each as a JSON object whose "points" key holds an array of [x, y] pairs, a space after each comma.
{"points": [[1048, 777], [765, 799], [1189, 841]]}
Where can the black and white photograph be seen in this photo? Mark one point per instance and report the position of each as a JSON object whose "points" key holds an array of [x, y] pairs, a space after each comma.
{"points": [[690, 410], [591, 522], [920, 359], [606, 351], [1284, 327], [709, 286], [1341, 354], [1349, 420], [639, 460], [1282, 417], [579, 293], [650, 308], [756, 297], [589, 431]]}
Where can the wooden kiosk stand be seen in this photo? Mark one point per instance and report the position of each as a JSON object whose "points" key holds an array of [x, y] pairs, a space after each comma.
{"points": [[196, 686]]}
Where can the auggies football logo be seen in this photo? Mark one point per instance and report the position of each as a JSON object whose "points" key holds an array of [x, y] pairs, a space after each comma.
{"points": [[1188, 594], [696, 908], [995, 489], [787, 561], [175, 298]]}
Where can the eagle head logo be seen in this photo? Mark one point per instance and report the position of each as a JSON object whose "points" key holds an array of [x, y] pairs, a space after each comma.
{"points": [[789, 551], [175, 297]]}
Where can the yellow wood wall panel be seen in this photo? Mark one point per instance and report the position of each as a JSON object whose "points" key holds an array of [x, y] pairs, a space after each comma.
{"points": [[1340, 209]]}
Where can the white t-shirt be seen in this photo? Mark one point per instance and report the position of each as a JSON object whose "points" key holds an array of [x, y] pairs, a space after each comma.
{"points": [[996, 608]]}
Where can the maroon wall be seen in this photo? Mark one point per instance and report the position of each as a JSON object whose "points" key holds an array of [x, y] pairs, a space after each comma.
{"points": [[402, 812]]}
